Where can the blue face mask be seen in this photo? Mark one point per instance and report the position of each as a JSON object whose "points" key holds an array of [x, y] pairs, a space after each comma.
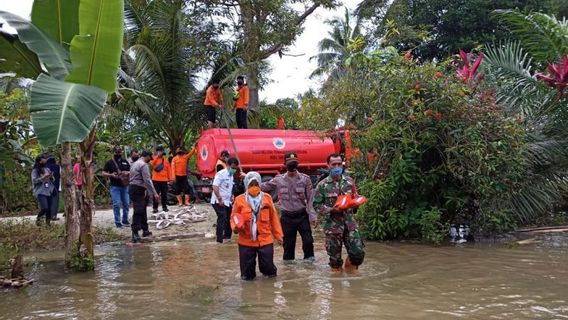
{"points": [[336, 171], [232, 171]]}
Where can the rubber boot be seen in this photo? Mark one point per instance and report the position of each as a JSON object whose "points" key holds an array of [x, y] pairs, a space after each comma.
{"points": [[349, 267], [187, 198], [180, 200]]}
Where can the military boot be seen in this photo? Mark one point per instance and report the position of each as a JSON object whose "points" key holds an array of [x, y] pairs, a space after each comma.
{"points": [[349, 267], [337, 270]]}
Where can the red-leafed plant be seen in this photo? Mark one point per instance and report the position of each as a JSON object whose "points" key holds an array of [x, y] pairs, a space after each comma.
{"points": [[467, 72], [558, 75]]}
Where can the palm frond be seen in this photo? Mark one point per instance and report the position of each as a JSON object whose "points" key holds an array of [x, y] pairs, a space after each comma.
{"points": [[542, 35], [517, 86]]}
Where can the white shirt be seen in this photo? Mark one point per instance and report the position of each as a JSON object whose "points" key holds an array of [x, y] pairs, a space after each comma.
{"points": [[225, 182]]}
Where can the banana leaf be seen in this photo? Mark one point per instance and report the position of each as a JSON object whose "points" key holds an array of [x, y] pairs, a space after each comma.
{"points": [[57, 18], [16, 57], [63, 111], [95, 52], [50, 53]]}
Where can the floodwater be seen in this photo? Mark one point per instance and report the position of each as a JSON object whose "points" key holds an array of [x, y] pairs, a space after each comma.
{"points": [[198, 279]]}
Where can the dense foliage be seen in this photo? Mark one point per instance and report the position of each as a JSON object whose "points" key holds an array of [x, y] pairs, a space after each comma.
{"points": [[435, 149], [438, 28]]}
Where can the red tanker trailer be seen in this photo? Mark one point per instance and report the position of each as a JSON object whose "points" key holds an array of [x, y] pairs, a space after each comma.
{"points": [[263, 150]]}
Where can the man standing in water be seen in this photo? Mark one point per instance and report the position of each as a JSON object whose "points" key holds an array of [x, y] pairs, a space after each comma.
{"points": [[222, 199], [141, 186], [339, 225], [294, 191]]}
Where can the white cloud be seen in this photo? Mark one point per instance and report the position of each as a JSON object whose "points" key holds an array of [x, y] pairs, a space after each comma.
{"points": [[290, 75]]}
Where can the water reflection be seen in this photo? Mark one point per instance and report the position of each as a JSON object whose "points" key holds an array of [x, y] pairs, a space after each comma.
{"points": [[200, 280]]}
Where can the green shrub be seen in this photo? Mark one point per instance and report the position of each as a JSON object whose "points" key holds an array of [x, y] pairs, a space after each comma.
{"points": [[434, 149]]}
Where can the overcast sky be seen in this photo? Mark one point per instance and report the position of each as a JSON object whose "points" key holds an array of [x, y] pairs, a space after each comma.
{"points": [[290, 75]]}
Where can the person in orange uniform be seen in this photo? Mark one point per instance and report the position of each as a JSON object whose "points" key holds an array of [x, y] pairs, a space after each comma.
{"points": [[179, 171], [161, 175], [213, 100], [241, 98], [258, 227]]}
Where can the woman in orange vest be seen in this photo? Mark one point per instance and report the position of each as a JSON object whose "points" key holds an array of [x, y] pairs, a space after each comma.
{"points": [[179, 171], [255, 220], [241, 98], [161, 175]]}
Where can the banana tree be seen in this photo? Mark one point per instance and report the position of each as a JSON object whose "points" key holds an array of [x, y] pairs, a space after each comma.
{"points": [[78, 43]]}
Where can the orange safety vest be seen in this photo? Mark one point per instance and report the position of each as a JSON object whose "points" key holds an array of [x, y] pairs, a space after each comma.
{"points": [[213, 97], [243, 100], [268, 222], [179, 164], [165, 173]]}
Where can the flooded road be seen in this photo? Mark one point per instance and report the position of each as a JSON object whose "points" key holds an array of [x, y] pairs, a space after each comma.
{"points": [[198, 279]]}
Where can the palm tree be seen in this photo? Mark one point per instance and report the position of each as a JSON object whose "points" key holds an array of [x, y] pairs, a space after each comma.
{"points": [[542, 40], [160, 62], [344, 42]]}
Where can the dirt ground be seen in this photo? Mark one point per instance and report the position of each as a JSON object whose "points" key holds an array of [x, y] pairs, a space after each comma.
{"points": [[105, 218]]}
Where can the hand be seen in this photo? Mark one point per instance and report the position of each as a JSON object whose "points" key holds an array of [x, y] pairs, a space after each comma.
{"points": [[156, 198], [221, 204], [336, 210], [279, 242]]}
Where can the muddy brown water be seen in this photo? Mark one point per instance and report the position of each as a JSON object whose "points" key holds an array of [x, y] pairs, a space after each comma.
{"points": [[198, 279]]}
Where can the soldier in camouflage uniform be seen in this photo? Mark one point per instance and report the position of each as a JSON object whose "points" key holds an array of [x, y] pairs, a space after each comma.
{"points": [[339, 225]]}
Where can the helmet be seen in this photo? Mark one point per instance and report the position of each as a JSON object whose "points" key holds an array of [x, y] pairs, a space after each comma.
{"points": [[343, 201], [357, 201]]}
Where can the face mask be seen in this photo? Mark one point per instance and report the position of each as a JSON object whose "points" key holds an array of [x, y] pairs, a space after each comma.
{"points": [[254, 191], [240, 83], [232, 171], [336, 171], [134, 158], [117, 156], [292, 166]]}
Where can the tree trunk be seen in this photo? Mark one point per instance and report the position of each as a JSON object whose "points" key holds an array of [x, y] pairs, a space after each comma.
{"points": [[70, 203], [252, 82], [85, 249], [17, 267]]}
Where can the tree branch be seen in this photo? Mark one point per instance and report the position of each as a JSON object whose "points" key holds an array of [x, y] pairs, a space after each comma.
{"points": [[278, 46]]}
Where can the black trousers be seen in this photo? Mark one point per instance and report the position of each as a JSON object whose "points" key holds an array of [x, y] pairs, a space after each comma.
{"points": [[292, 223], [223, 224], [182, 185], [162, 189], [247, 259], [139, 217], [44, 207], [241, 116]]}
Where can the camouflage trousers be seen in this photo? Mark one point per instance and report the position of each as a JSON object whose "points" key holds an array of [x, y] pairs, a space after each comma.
{"points": [[341, 229]]}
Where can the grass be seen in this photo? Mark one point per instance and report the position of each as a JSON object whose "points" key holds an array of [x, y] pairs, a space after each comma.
{"points": [[24, 236]]}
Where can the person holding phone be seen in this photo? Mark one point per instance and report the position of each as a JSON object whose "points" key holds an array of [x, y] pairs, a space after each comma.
{"points": [[42, 183]]}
